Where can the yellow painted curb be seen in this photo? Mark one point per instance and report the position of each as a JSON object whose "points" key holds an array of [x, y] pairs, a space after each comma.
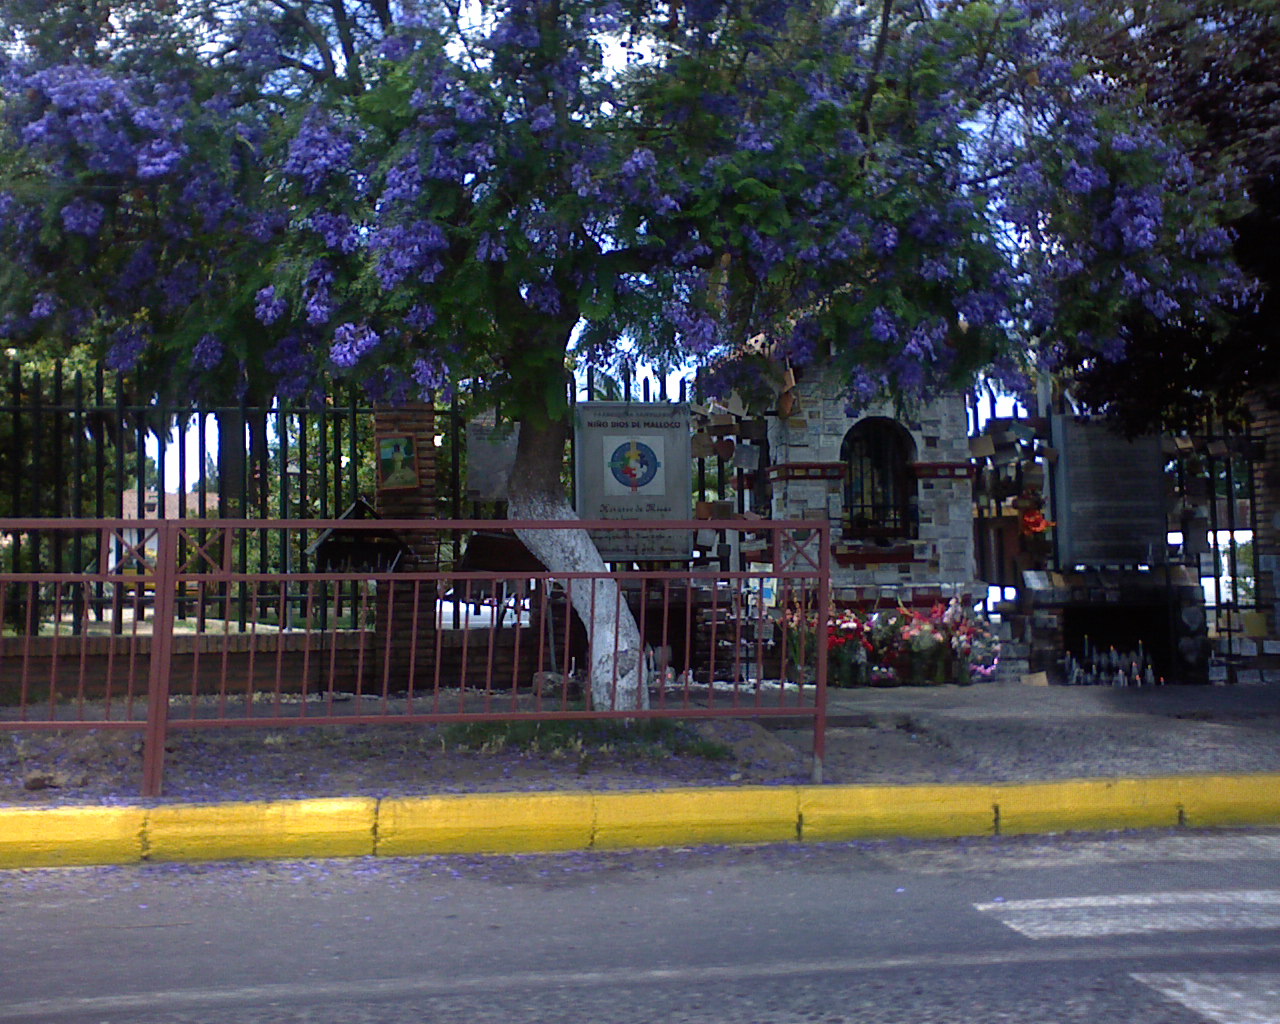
{"points": [[70, 836], [1231, 799], [550, 821], [339, 827], [1089, 805], [834, 813], [485, 823], [685, 817]]}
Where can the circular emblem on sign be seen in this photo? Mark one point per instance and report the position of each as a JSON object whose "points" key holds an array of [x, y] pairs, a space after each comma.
{"points": [[633, 464]]}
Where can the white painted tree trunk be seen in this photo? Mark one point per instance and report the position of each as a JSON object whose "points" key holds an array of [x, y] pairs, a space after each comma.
{"points": [[617, 669]]}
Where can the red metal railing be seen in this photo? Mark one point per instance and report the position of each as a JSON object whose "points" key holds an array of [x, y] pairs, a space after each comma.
{"points": [[162, 633]]}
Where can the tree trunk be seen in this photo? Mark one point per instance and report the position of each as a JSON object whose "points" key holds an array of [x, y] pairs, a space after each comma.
{"points": [[617, 669]]}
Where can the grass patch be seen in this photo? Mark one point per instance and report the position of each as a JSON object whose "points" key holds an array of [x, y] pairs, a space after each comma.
{"points": [[647, 739]]}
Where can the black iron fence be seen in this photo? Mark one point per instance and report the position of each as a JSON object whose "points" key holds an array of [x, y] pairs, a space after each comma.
{"points": [[91, 445]]}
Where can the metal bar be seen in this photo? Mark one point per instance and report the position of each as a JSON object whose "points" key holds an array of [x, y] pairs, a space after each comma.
{"points": [[260, 661], [77, 494], [161, 648]]}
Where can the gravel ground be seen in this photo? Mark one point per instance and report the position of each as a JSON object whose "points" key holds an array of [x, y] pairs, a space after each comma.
{"points": [[984, 733]]}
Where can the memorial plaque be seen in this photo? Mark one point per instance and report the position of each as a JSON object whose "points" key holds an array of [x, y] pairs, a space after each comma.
{"points": [[632, 461], [1109, 496]]}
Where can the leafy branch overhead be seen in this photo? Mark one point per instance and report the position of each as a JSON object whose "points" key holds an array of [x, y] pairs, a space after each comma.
{"points": [[226, 194]]}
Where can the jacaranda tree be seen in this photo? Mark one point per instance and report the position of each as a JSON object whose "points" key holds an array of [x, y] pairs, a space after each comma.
{"points": [[487, 197], [1210, 66]]}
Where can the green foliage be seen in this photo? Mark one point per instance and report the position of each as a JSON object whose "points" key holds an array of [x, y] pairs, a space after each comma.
{"points": [[645, 739]]}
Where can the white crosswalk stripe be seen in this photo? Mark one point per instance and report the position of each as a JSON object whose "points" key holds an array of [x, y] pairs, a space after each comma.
{"points": [[1222, 998], [1135, 914]]}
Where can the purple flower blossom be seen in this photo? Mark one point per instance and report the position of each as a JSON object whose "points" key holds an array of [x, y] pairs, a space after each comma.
{"points": [[802, 348], [259, 46], [666, 205], [1132, 285], [696, 329], [1084, 178], [864, 388], [481, 155], [138, 272], [350, 343], [884, 325], [490, 249], [127, 346], [404, 249], [321, 148], [1134, 221], [264, 225], [688, 257], [934, 269], [44, 307], [515, 31], [336, 230], [1160, 304], [884, 239], [208, 353], [404, 181], [925, 340], [209, 198], [909, 372], [181, 286], [420, 316], [641, 161], [83, 217], [980, 308], [583, 180], [316, 294], [469, 108], [430, 375], [396, 48], [269, 308], [752, 139], [289, 364], [158, 157], [542, 118]]}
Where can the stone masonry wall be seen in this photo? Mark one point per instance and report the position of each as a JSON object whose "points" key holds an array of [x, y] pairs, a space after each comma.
{"points": [[939, 561]]}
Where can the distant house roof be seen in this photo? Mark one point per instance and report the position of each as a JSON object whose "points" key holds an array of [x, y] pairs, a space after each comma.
{"points": [[175, 505]]}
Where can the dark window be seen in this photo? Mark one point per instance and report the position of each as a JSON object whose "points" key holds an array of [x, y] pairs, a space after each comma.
{"points": [[879, 496]]}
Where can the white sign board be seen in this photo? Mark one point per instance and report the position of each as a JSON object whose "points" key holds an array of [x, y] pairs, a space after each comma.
{"points": [[632, 461]]}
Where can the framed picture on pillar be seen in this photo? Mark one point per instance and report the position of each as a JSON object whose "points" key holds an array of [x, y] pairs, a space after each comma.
{"points": [[397, 464]]}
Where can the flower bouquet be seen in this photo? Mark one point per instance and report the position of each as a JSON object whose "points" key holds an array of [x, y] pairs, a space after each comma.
{"points": [[948, 644]]}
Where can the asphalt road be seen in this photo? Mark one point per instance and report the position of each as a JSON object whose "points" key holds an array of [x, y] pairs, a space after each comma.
{"points": [[1136, 928]]}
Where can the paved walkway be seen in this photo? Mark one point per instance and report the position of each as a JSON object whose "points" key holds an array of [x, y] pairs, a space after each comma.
{"points": [[1011, 732], [949, 761]]}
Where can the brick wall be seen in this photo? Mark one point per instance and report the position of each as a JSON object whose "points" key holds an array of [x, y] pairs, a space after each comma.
{"points": [[416, 421], [39, 672]]}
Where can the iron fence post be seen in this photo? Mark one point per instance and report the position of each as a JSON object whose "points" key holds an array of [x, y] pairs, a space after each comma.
{"points": [[157, 728], [824, 617]]}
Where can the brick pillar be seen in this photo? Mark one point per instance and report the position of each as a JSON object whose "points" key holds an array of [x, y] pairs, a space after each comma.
{"points": [[418, 423]]}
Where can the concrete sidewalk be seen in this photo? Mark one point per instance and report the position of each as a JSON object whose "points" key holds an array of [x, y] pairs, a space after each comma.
{"points": [[948, 761], [1011, 732]]}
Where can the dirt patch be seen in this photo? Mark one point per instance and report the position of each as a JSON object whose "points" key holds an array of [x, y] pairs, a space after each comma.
{"points": [[402, 760]]}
